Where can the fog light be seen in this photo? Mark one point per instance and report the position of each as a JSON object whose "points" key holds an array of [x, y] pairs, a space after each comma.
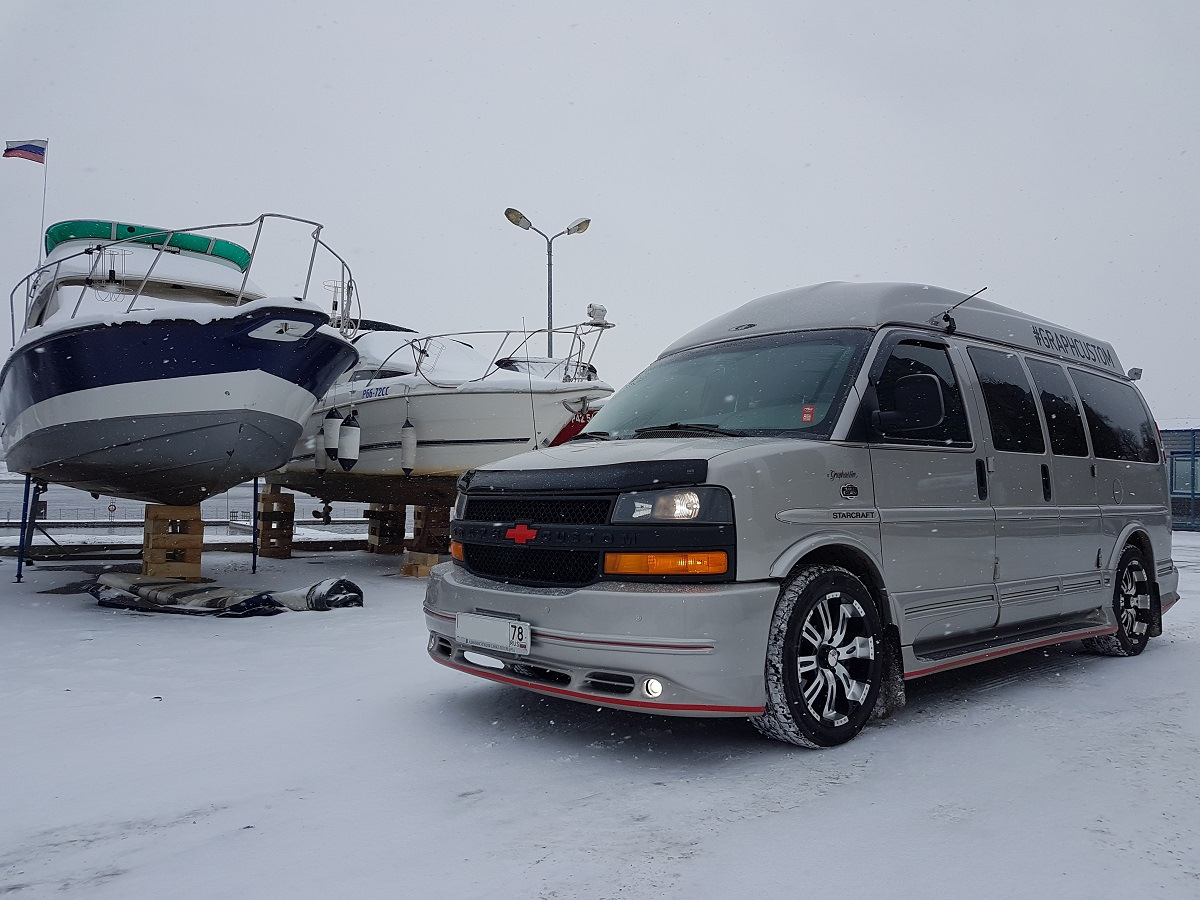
{"points": [[652, 687]]}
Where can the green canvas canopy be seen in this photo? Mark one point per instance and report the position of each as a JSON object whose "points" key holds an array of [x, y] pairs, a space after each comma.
{"points": [[84, 229]]}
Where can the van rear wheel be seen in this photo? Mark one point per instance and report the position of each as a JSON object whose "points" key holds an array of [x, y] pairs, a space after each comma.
{"points": [[1132, 606], [824, 659]]}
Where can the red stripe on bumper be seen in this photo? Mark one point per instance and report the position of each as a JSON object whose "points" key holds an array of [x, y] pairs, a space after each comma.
{"points": [[593, 698]]}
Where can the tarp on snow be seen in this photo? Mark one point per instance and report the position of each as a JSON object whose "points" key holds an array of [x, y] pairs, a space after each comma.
{"points": [[174, 595]]}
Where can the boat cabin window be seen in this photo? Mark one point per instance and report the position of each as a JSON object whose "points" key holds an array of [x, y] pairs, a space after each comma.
{"points": [[368, 374], [44, 305]]}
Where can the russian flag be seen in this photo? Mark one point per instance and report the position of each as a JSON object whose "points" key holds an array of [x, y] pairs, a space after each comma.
{"points": [[34, 150]]}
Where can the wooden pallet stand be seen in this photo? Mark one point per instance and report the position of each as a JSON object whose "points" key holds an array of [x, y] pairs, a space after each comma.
{"points": [[418, 564], [385, 527], [431, 529], [276, 522], [172, 541]]}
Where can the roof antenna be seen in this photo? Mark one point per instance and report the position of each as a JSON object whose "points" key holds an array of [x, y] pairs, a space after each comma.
{"points": [[949, 319]]}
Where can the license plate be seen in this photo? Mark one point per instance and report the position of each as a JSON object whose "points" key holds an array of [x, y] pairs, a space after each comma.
{"points": [[493, 633]]}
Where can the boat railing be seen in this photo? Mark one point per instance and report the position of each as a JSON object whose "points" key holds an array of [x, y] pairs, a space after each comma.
{"points": [[346, 310], [577, 364]]}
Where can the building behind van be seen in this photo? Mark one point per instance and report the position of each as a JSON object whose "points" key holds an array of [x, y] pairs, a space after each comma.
{"points": [[809, 500], [1181, 442]]}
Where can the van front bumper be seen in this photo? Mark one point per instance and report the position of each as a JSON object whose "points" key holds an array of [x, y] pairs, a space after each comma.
{"points": [[705, 644]]}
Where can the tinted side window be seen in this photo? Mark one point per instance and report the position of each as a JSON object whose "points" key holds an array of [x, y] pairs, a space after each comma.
{"points": [[1067, 437], [1116, 419], [915, 358], [1009, 401]]}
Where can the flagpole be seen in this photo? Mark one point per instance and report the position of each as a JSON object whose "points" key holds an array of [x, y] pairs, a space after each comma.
{"points": [[45, 178]]}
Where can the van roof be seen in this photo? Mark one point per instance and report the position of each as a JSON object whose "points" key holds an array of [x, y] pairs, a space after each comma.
{"points": [[840, 304]]}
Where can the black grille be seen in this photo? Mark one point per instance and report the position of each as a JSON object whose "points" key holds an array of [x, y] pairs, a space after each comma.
{"points": [[540, 510], [527, 566]]}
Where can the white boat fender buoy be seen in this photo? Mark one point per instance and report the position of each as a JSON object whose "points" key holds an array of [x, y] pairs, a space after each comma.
{"points": [[333, 424], [408, 447], [319, 455], [348, 441]]}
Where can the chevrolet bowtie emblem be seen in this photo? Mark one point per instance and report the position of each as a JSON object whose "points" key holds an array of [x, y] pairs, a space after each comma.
{"points": [[521, 534]]}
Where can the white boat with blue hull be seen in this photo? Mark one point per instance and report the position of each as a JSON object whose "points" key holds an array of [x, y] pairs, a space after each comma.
{"points": [[150, 366]]}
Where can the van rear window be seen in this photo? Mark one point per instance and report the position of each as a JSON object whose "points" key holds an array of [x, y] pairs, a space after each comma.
{"points": [[1117, 419]]}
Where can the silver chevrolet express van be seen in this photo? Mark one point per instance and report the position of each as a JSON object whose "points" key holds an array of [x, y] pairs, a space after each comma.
{"points": [[810, 500]]}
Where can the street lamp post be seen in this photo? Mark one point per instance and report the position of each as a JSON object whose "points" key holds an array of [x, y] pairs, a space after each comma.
{"points": [[577, 227]]}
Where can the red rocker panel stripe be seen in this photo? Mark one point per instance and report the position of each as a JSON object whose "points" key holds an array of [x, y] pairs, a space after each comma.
{"points": [[1007, 651]]}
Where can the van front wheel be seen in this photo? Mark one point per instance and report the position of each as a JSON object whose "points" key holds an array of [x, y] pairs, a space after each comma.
{"points": [[824, 659]]}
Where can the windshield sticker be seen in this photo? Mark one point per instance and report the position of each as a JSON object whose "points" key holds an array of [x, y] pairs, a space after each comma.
{"points": [[1070, 346], [807, 413]]}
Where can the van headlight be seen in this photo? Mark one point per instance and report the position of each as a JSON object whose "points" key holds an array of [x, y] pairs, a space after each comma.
{"points": [[459, 507], [705, 504]]}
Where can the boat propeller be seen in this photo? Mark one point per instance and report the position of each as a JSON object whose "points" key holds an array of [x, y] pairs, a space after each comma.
{"points": [[325, 513]]}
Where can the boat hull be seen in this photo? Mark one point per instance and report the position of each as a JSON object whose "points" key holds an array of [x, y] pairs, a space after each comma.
{"points": [[456, 430], [139, 458], [167, 411]]}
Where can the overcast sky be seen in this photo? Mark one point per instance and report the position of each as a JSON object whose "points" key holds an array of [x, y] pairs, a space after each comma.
{"points": [[1047, 150]]}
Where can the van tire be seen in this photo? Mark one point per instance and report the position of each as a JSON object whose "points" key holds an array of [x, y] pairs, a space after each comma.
{"points": [[1133, 607], [825, 659]]}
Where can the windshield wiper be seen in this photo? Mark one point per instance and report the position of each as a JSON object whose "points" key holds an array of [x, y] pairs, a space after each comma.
{"points": [[591, 435], [698, 427]]}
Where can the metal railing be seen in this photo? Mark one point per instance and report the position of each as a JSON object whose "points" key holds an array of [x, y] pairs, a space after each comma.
{"points": [[575, 366], [343, 319]]}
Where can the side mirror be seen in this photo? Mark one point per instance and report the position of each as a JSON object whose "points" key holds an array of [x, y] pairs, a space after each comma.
{"points": [[919, 404]]}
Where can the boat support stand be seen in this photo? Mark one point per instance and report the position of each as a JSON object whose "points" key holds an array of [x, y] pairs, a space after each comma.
{"points": [[34, 488], [254, 531]]}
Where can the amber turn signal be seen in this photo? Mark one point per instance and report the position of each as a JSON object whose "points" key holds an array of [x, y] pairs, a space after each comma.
{"points": [[456, 550], [704, 562]]}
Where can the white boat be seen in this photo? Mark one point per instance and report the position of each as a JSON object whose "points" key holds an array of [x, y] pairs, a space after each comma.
{"points": [[149, 366], [421, 409]]}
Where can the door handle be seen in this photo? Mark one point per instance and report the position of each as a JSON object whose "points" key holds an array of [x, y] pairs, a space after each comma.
{"points": [[981, 479], [1046, 492]]}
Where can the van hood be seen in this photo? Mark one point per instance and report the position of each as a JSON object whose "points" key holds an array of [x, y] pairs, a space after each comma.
{"points": [[607, 453], [642, 464]]}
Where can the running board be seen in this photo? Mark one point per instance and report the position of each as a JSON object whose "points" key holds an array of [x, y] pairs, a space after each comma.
{"points": [[927, 662]]}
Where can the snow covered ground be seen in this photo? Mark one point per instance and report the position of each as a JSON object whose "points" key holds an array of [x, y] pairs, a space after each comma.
{"points": [[320, 755]]}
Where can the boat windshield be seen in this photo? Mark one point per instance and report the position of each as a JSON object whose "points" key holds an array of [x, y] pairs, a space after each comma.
{"points": [[791, 385]]}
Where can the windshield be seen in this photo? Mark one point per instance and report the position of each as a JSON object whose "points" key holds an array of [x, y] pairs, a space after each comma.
{"points": [[783, 384]]}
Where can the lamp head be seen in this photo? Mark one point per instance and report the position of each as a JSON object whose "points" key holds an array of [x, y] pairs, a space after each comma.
{"points": [[579, 226], [517, 218]]}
